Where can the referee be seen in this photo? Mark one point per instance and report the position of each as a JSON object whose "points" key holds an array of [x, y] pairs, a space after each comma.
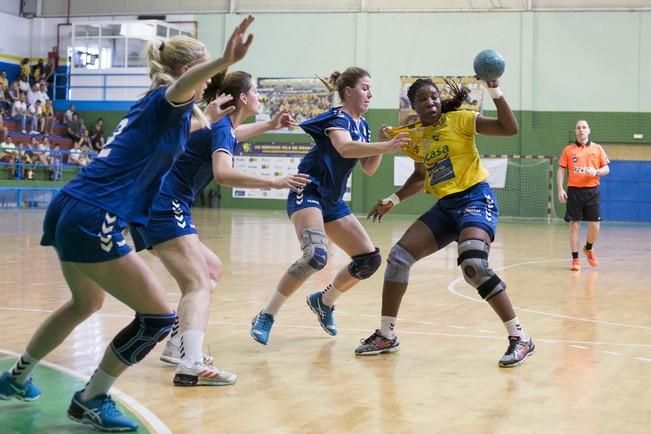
{"points": [[586, 162]]}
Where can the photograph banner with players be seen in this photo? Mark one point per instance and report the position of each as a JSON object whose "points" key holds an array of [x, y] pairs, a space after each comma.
{"points": [[271, 159], [304, 98], [473, 102]]}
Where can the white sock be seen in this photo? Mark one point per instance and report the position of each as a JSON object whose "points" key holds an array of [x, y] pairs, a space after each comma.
{"points": [[387, 326], [191, 346], [513, 328], [23, 368], [175, 336], [330, 294], [99, 384], [276, 302]]}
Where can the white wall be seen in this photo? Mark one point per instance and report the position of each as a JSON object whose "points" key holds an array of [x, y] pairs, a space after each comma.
{"points": [[15, 37]]}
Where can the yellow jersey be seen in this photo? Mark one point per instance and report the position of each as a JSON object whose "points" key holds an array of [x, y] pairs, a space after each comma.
{"points": [[448, 151]]}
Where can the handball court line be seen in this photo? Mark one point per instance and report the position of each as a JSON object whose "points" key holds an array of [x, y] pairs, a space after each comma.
{"points": [[154, 423]]}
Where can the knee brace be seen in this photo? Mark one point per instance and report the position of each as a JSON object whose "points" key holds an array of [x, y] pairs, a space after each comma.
{"points": [[315, 254], [473, 260], [365, 265], [398, 264], [137, 339]]}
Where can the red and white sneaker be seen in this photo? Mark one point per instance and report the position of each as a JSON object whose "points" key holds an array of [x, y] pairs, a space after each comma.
{"points": [[592, 259], [202, 374], [576, 265]]}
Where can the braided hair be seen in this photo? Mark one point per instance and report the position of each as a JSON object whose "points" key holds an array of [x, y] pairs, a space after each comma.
{"points": [[458, 93]]}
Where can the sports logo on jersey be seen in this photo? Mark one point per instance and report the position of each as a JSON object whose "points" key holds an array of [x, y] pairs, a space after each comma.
{"points": [[575, 158], [105, 236], [178, 214]]}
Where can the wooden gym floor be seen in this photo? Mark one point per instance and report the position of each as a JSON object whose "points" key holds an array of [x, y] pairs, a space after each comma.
{"points": [[591, 372]]}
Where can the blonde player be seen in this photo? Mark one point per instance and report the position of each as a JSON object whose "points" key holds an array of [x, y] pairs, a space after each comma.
{"points": [[447, 165]]}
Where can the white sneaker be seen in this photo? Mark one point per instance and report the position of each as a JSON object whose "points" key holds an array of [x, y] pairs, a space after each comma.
{"points": [[172, 354], [202, 374]]}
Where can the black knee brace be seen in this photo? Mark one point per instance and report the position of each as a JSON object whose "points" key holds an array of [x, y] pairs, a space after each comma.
{"points": [[137, 339], [364, 266], [473, 260]]}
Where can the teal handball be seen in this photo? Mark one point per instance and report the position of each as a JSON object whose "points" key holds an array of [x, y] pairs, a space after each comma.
{"points": [[489, 65]]}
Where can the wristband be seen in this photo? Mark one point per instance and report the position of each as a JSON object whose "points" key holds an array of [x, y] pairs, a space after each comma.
{"points": [[495, 92], [394, 199]]}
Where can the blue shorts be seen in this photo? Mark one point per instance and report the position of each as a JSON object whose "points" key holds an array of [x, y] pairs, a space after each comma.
{"points": [[81, 232], [168, 219], [475, 207], [310, 198]]}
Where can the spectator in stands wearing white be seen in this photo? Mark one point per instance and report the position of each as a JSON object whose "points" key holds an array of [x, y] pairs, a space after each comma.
{"points": [[74, 157], [23, 83], [9, 154], [67, 116], [42, 92], [32, 94], [19, 114], [36, 111]]}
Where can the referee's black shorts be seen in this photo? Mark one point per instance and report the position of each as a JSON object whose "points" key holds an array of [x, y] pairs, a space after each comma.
{"points": [[583, 204]]}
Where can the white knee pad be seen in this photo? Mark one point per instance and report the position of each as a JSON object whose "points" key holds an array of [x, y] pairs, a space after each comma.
{"points": [[399, 263], [473, 260], [315, 254]]}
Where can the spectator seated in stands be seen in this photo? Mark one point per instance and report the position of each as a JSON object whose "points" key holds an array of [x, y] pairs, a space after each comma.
{"points": [[36, 111], [67, 116], [9, 155], [76, 157], [49, 118], [23, 83], [20, 114], [75, 128], [57, 163], [4, 131], [4, 81], [31, 95], [5, 102], [25, 158], [14, 92], [97, 135]]}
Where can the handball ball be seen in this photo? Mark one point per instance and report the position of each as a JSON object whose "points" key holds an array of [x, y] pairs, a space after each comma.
{"points": [[489, 65]]}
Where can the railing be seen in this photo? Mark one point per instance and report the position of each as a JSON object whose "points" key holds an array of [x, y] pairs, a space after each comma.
{"points": [[20, 166]]}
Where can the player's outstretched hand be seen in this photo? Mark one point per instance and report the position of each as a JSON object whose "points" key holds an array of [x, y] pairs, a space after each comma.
{"points": [[379, 210], [214, 111], [238, 44], [296, 182], [283, 119]]}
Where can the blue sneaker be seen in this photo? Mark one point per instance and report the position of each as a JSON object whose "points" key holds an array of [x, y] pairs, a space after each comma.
{"points": [[261, 327], [101, 413], [10, 388], [323, 313]]}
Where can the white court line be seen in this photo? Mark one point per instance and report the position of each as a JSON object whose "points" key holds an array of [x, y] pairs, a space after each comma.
{"points": [[644, 359], [580, 347], [150, 418], [452, 290], [611, 353]]}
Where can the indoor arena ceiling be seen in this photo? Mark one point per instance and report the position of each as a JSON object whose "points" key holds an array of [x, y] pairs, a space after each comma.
{"points": [[51, 8]]}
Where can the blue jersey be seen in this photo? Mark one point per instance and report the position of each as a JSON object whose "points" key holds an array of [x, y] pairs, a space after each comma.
{"points": [[193, 170], [328, 170], [128, 172]]}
